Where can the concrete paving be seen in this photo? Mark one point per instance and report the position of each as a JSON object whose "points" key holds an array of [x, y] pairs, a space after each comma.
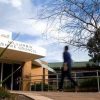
{"points": [[32, 95], [71, 95], [61, 95]]}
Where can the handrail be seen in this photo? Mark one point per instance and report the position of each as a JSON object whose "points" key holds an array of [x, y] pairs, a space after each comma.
{"points": [[56, 79], [60, 73]]}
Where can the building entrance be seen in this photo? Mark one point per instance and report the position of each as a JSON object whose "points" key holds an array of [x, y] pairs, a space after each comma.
{"points": [[7, 70], [10, 77], [17, 77]]}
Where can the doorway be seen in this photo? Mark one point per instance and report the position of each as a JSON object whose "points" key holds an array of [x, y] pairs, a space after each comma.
{"points": [[6, 72], [17, 82], [11, 76]]}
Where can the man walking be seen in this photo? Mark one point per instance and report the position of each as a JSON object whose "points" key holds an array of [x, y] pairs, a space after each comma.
{"points": [[66, 69]]}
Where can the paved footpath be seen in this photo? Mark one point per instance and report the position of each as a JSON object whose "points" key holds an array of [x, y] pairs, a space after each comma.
{"points": [[71, 95], [61, 95]]}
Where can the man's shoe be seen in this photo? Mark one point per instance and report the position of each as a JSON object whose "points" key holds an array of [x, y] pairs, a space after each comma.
{"points": [[60, 90], [76, 89]]}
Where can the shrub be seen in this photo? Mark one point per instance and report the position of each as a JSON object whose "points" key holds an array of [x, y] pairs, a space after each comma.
{"points": [[4, 93], [89, 84], [38, 87]]}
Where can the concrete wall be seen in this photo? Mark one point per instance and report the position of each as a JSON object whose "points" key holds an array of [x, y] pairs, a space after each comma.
{"points": [[37, 74], [26, 73]]}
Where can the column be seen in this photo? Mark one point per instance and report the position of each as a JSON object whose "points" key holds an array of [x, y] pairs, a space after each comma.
{"points": [[1, 74], [12, 77], [26, 73]]}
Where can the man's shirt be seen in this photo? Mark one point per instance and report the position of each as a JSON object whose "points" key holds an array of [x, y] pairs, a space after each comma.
{"points": [[67, 58]]}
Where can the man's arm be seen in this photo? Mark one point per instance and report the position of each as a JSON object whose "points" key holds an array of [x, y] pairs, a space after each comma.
{"points": [[65, 66], [65, 57]]}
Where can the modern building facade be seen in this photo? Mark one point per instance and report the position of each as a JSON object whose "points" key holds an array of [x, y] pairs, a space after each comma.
{"points": [[19, 62]]}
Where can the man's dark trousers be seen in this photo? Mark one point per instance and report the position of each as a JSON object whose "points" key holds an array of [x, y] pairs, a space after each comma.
{"points": [[68, 75]]}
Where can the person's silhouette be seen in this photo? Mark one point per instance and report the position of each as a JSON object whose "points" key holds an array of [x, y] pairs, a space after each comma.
{"points": [[66, 69]]}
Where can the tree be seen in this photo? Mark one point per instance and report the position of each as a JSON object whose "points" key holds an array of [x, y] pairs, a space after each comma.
{"points": [[1, 54], [93, 46], [79, 19]]}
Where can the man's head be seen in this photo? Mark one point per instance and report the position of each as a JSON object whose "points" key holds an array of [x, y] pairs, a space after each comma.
{"points": [[66, 48]]}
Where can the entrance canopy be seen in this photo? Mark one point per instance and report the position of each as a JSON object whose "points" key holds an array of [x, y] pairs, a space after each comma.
{"points": [[20, 51], [39, 62]]}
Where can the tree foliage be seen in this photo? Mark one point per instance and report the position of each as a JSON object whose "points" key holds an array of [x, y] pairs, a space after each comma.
{"points": [[93, 47], [79, 19]]}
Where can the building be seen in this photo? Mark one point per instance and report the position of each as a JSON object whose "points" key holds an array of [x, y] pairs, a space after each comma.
{"points": [[19, 62], [76, 66], [79, 69], [87, 75]]}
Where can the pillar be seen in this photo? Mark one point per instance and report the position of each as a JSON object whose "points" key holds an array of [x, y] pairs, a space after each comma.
{"points": [[26, 73]]}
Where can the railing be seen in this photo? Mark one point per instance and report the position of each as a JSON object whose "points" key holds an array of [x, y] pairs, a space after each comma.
{"points": [[54, 81]]}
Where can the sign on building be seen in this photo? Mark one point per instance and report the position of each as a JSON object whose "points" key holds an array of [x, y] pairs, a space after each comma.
{"points": [[5, 34]]}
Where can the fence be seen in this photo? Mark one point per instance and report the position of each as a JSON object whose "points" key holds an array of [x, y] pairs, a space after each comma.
{"points": [[51, 82]]}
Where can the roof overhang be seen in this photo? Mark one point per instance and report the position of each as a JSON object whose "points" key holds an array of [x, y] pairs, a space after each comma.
{"points": [[39, 62], [20, 51]]}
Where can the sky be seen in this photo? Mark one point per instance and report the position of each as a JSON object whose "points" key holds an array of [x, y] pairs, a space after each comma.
{"points": [[20, 16]]}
